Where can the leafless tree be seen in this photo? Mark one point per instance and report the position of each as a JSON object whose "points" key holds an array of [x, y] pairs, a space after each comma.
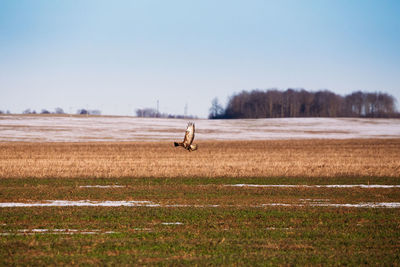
{"points": [[59, 111], [301, 103], [216, 109]]}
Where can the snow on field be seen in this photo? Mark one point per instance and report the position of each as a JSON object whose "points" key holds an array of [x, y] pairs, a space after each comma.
{"points": [[101, 186], [55, 232], [317, 186], [80, 203], [87, 203], [38, 128], [390, 205]]}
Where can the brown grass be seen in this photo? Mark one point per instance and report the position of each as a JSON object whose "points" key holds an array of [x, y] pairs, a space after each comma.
{"points": [[310, 158]]}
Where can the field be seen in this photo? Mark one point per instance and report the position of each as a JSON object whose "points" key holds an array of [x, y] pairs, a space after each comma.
{"points": [[74, 128], [287, 158], [233, 202]]}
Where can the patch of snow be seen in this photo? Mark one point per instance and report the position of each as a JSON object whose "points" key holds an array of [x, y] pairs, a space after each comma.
{"points": [[109, 128], [362, 205], [83, 203], [274, 228], [39, 230], [341, 205], [171, 223], [262, 185], [65, 230], [194, 206], [314, 199], [55, 231], [317, 186], [358, 185], [80, 203]]}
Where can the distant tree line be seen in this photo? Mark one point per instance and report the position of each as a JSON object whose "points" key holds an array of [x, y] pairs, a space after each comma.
{"points": [[88, 112], [57, 111], [44, 111], [153, 113], [301, 103]]}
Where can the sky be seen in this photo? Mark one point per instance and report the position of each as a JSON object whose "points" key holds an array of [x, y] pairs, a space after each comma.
{"points": [[118, 56]]}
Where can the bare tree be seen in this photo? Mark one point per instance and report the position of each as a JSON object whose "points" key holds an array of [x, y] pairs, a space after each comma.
{"points": [[59, 111], [146, 113], [82, 112], [294, 103], [216, 111], [94, 112]]}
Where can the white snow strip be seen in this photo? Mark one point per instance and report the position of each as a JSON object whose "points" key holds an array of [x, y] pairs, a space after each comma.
{"points": [[50, 230], [80, 203], [358, 185], [87, 203], [187, 205], [35, 230], [171, 223], [55, 231], [274, 228], [262, 185], [361, 205], [113, 128], [101, 186], [317, 186], [341, 205]]}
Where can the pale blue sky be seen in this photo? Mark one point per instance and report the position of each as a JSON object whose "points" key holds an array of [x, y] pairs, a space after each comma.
{"points": [[117, 56]]}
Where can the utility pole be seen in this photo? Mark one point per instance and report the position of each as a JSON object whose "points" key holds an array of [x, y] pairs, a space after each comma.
{"points": [[185, 111], [158, 109]]}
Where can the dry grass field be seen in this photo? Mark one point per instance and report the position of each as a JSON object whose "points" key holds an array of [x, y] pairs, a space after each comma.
{"points": [[288, 158], [184, 208]]}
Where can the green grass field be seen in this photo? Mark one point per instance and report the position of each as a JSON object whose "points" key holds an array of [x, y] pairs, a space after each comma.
{"points": [[200, 221]]}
